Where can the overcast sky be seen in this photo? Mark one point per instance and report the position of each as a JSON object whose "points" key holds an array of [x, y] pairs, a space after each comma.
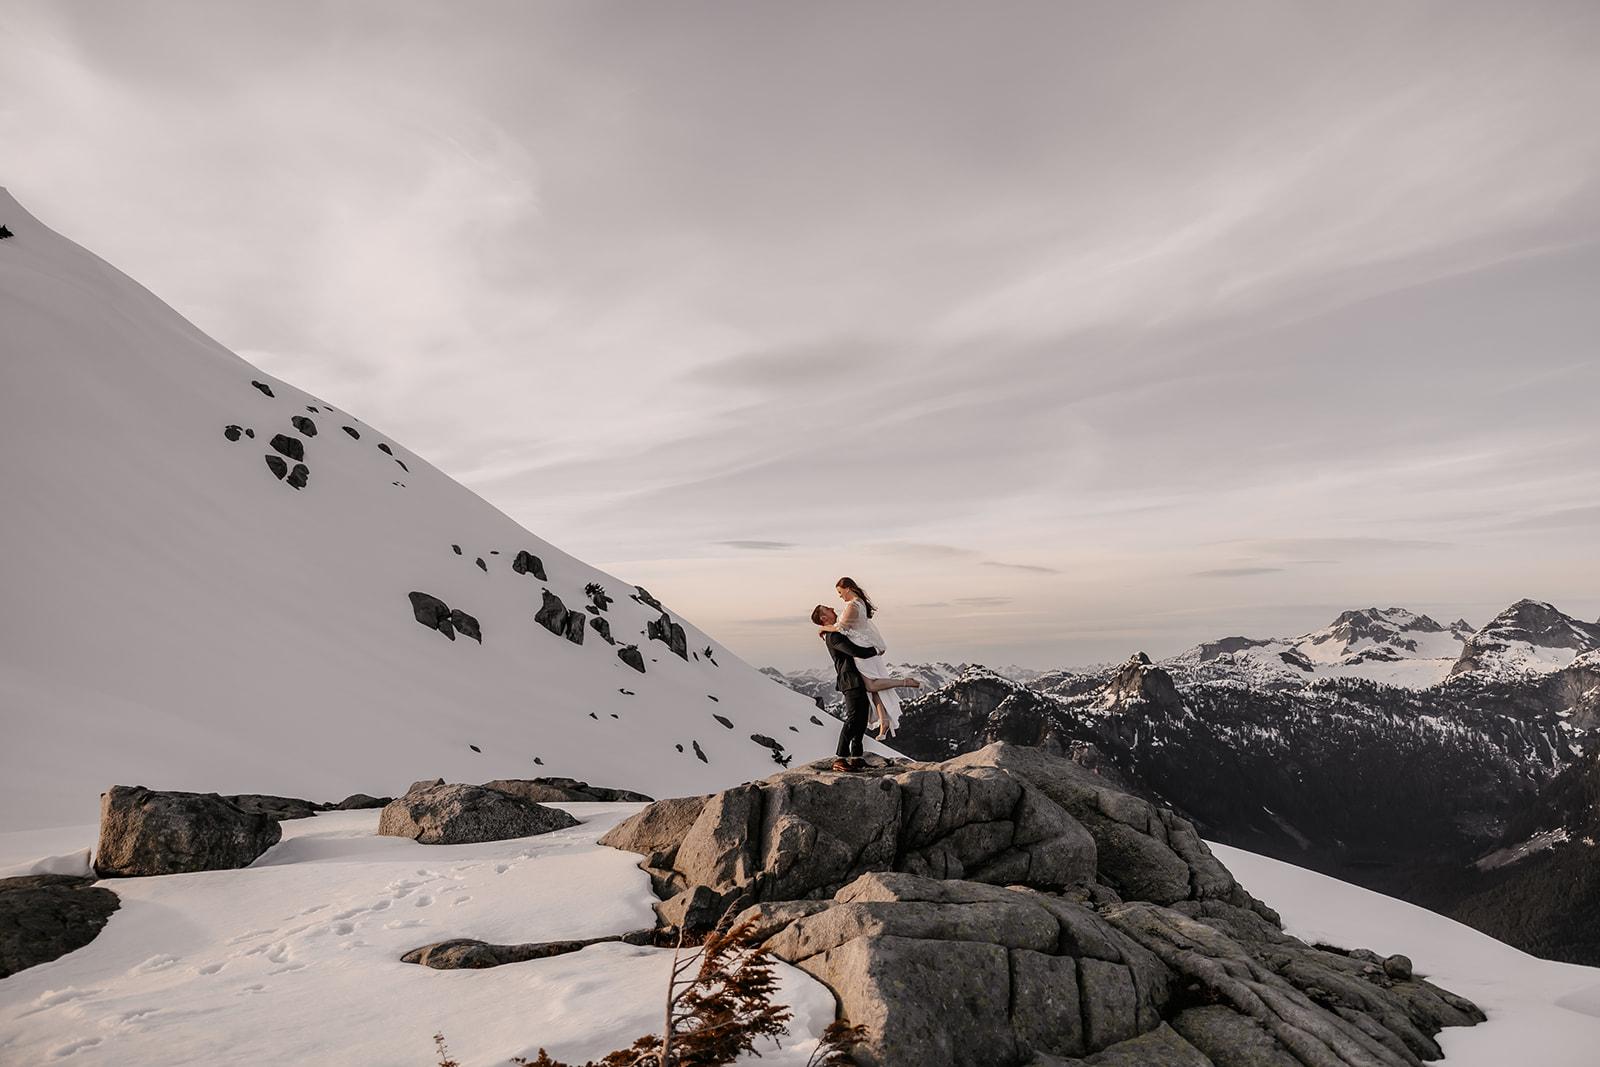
{"points": [[1067, 329]]}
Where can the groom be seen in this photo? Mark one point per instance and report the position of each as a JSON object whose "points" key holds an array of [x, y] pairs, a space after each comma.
{"points": [[845, 652]]}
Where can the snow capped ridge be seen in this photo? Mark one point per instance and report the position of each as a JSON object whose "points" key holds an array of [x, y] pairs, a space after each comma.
{"points": [[217, 568], [1529, 637], [1394, 646]]}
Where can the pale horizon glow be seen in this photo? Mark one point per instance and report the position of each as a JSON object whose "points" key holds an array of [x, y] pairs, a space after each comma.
{"points": [[1068, 330]]}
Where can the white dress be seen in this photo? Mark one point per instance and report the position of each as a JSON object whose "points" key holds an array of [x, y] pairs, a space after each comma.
{"points": [[855, 625]]}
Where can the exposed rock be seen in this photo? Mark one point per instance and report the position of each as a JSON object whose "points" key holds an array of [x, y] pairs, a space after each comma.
{"points": [[698, 751], [603, 628], [670, 634], [564, 789], [249, 433], [1139, 680], [555, 617], [432, 613], [425, 783], [466, 625], [957, 912], [403, 465], [277, 465], [299, 476], [462, 814], [464, 952], [263, 386], [482, 566], [277, 807], [527, 563], [144, 832], [643, 596], [45, 916], [233, 433], [631, 655], [723, 720], [385, 449], [361, 800], [351, 430], [288, 446], [304, 425]]}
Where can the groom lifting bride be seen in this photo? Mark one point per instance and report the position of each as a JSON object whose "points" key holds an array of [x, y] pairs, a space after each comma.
{"points": [[860, 671]]}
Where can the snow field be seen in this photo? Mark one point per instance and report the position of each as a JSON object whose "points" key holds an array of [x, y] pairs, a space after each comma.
{"points": [[296, 959]]}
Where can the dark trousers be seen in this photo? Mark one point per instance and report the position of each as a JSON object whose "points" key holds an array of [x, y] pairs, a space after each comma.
{"points": [[855, 723]]}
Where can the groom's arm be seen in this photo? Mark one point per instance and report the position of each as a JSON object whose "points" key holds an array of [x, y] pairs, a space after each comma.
{"points": [[848, 647]]}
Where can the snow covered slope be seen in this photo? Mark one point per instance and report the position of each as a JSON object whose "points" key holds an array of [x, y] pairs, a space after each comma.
{"points": [[181, 617], [1529, 637], [1389, 645]]}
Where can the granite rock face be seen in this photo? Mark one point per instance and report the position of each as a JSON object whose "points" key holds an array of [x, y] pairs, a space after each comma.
{"points": [[145, 832], [565, 789], [461, 814], [1011, 908], [45, 916]]}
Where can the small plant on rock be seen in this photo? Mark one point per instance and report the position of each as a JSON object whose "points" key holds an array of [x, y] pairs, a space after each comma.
{"points": [[718, 1013]]}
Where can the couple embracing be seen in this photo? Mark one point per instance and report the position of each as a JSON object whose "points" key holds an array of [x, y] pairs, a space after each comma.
{"points": [[857, 649]]}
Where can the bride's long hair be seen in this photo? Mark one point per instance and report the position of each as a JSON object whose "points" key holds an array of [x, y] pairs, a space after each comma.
{"points": [[850, 584]]}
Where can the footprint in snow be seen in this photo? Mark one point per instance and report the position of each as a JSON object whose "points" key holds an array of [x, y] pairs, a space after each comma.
{"points": [[211, 968], [456, 903], [404, 924], [424, 901], [251, 990], [501, 868], [155, 963]]}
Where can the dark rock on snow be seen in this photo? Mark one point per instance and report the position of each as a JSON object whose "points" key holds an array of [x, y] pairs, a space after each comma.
{"points": [[277, 465], [466, 625], [603, 628], [527, 563], [463, 952], [670, 634], [565, 790], [263, 386], [631, 655], [233, 433], [351, 430], [432, 613], [277, 807], [461, 814], [299, 476], [285, 445], [144, 832], [385, 449], [361, 800], [555, 617], [45, 916], [1012, 908], [304, 425]]}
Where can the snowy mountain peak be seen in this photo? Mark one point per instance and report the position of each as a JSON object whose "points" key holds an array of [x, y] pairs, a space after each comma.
{"points": [[1530, 636], [232, 585]]}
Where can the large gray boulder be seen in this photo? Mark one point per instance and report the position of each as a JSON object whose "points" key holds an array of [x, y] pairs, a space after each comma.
{"points": [[1011, 908], [804, 834], [146, 832], [462, 814], [45, 916]]}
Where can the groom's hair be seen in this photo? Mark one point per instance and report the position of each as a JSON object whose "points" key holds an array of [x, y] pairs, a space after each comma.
{"points": [[816, 614]]}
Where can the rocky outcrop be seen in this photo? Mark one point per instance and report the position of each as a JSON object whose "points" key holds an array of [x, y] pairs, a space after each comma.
{"points": [[356, 801], [631, 655], [569, 790], [559, 620], [277, 807], [145, 832], [670, 634], [45, 916], [285, 445], [1140, 681], [462, 814], [303, 425], [1011, 908], [527, 563], [465, 953]]}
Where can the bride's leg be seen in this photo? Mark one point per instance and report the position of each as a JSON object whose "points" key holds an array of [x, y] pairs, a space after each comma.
{"points": [[877, 684]]}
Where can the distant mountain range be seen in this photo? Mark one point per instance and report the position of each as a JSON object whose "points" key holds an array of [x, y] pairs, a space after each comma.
{"points": [[1451, 766]]}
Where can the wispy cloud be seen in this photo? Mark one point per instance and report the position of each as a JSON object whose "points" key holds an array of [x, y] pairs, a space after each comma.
{"points": [[1021, 567], [1236, 572], [760, 546]]}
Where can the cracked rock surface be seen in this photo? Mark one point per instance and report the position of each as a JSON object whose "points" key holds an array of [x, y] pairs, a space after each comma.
{"points": [[1012, 908]]}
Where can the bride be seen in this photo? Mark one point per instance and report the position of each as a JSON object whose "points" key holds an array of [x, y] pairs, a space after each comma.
{"points": [[855, 622]]}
